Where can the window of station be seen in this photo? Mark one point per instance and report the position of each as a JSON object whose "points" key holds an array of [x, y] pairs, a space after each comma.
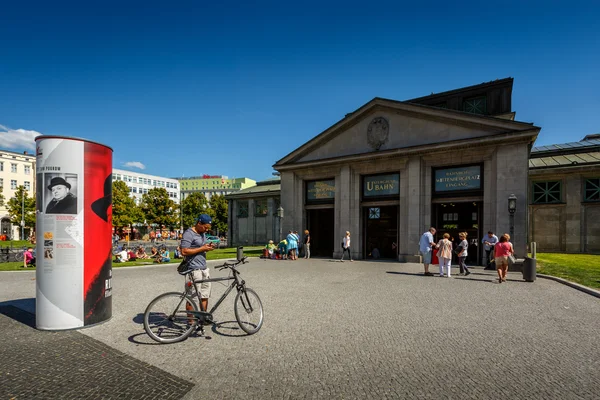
{"points": [[242, 209], [592, 189], [475, 105], [261, 208], [547, 192]]}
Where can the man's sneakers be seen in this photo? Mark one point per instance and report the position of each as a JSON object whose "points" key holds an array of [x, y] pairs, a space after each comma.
{"points": [[428, 274]]}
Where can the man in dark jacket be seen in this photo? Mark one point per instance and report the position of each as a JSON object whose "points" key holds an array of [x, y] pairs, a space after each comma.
{"points": [[63, 202]]}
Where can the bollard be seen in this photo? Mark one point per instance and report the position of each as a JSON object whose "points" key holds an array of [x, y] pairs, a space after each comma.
{"points": [[240, 253]]}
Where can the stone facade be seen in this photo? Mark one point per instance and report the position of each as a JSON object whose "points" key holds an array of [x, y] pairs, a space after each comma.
{"points": [[572, 225], [420, 139], [252, 217]]}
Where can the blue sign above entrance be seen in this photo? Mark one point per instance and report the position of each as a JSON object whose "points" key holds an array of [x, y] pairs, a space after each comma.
{"points": [[460, 178], [320, 190], [381, 185]]}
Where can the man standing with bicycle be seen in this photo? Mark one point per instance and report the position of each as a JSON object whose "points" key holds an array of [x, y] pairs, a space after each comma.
{"points": [[194, 248]]}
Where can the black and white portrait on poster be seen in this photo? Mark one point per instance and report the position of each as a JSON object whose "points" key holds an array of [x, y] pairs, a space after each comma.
{"points": [[60, 194]]}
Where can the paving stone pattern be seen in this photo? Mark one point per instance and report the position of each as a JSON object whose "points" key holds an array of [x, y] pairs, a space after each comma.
{"points": [[370, 330], [69, 365]]}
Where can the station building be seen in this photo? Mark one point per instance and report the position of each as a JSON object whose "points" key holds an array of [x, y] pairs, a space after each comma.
{"points": [[391, 169]]}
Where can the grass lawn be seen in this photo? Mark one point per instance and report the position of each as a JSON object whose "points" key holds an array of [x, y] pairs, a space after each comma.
{"points": [[228, 253], [16, 243], [580, 268]]}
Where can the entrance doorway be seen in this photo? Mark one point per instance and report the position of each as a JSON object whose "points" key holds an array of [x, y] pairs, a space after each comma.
{"points": [[321, 225], [455, 217], [381, 231]]}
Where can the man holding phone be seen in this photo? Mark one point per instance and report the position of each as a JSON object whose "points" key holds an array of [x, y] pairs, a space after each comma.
{"points": [[194, 248]]}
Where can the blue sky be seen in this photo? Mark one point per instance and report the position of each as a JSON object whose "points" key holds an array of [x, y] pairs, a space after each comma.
{"points": [[185, 88]]}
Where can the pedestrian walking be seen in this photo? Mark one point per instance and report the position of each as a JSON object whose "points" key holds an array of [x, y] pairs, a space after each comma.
{"points": [[346, 247], [462, 253], [489, 242], [426, 245], [306, 244], [502, 250], [445, 254]]}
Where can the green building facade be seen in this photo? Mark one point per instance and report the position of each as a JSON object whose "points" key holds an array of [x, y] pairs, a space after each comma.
{"points": [[212, 185]]}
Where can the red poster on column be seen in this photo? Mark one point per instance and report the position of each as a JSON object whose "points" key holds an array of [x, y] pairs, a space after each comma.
{"points": [[97, 277]]}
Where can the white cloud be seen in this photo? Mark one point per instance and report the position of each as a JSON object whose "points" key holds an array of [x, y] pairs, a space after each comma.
{"points": [[17, 139], [135, 164]]}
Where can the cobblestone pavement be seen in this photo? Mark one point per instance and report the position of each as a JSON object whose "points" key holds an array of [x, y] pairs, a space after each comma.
{"points": [[368, 330], [69, 365]]}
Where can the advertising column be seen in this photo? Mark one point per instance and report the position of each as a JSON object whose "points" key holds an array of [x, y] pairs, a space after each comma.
{"points": [[74, 223]]}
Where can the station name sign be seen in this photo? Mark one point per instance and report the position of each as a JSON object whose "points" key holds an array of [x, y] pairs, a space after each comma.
{"points": [[320, 190], [461, 178], [381, 185]]}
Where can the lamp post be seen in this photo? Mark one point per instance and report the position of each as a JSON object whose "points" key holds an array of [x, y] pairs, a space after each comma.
{"points": [[280, 216], [512, 207], [23, 214]]}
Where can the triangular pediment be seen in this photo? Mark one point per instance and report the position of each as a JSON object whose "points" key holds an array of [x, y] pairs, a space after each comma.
{"points": [[382, 125]]}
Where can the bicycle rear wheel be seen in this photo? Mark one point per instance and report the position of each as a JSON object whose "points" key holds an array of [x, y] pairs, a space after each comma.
{"points": [[18, 256], [248, 311], [166, 319]]}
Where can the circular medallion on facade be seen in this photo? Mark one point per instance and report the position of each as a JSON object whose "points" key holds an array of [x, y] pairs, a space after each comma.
{"points": [[378, 132]]}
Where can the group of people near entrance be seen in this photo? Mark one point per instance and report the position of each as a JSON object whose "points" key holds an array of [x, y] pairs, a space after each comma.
{"points": [[288, 248], [501, 249]]}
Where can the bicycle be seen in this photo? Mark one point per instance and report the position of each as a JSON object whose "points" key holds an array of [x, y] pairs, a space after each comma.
{"points": [[10, 255], [167, 320]]}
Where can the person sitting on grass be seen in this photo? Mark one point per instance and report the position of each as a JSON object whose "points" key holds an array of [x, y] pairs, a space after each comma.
{"points": [[178, 252], [131, 256], [28, 258], [154, 253], [141, 253], [270, 247], [163, 256], [122, 256]]}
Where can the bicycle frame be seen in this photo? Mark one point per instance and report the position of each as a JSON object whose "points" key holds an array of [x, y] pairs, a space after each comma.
{"points": [[237, 283]]}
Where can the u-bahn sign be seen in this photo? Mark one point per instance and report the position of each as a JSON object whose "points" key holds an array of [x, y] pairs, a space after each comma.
{"points": [[460, 178], [381, 185]]}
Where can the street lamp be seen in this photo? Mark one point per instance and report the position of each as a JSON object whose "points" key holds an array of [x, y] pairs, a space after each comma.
{"points": [[23, 214], [512, 208], [280, 216]]}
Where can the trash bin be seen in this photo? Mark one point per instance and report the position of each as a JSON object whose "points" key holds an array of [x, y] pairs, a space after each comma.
{"points": [[240, 253], [529, 271]]}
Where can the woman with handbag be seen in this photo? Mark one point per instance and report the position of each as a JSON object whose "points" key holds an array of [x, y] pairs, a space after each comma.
{"points": [[502, 250], [445, 254]]}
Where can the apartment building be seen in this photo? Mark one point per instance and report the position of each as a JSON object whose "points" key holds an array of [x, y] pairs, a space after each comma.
{"points": [[211, 185], [16, 169], [139, 184]]}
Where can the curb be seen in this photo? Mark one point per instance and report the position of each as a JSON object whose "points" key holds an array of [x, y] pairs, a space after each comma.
{"points": [[574, 285]]}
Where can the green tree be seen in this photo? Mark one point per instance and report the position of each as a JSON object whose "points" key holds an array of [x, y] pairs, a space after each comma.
{"points": [[15, 207], [124, 209], [192, 206], [218, 208], [159, 209]]}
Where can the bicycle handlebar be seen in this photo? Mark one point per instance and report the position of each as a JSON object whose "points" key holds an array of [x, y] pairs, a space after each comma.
{"points": [[228, 265]]}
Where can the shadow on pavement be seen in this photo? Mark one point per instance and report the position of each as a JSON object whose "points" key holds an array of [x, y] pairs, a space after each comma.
{"points": [[22, 310], [17, 314], [409, 273]]}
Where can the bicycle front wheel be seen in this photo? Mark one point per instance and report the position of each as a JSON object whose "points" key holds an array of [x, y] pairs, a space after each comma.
{"points": [[166, 319], [19, 256], [248, 311]]}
